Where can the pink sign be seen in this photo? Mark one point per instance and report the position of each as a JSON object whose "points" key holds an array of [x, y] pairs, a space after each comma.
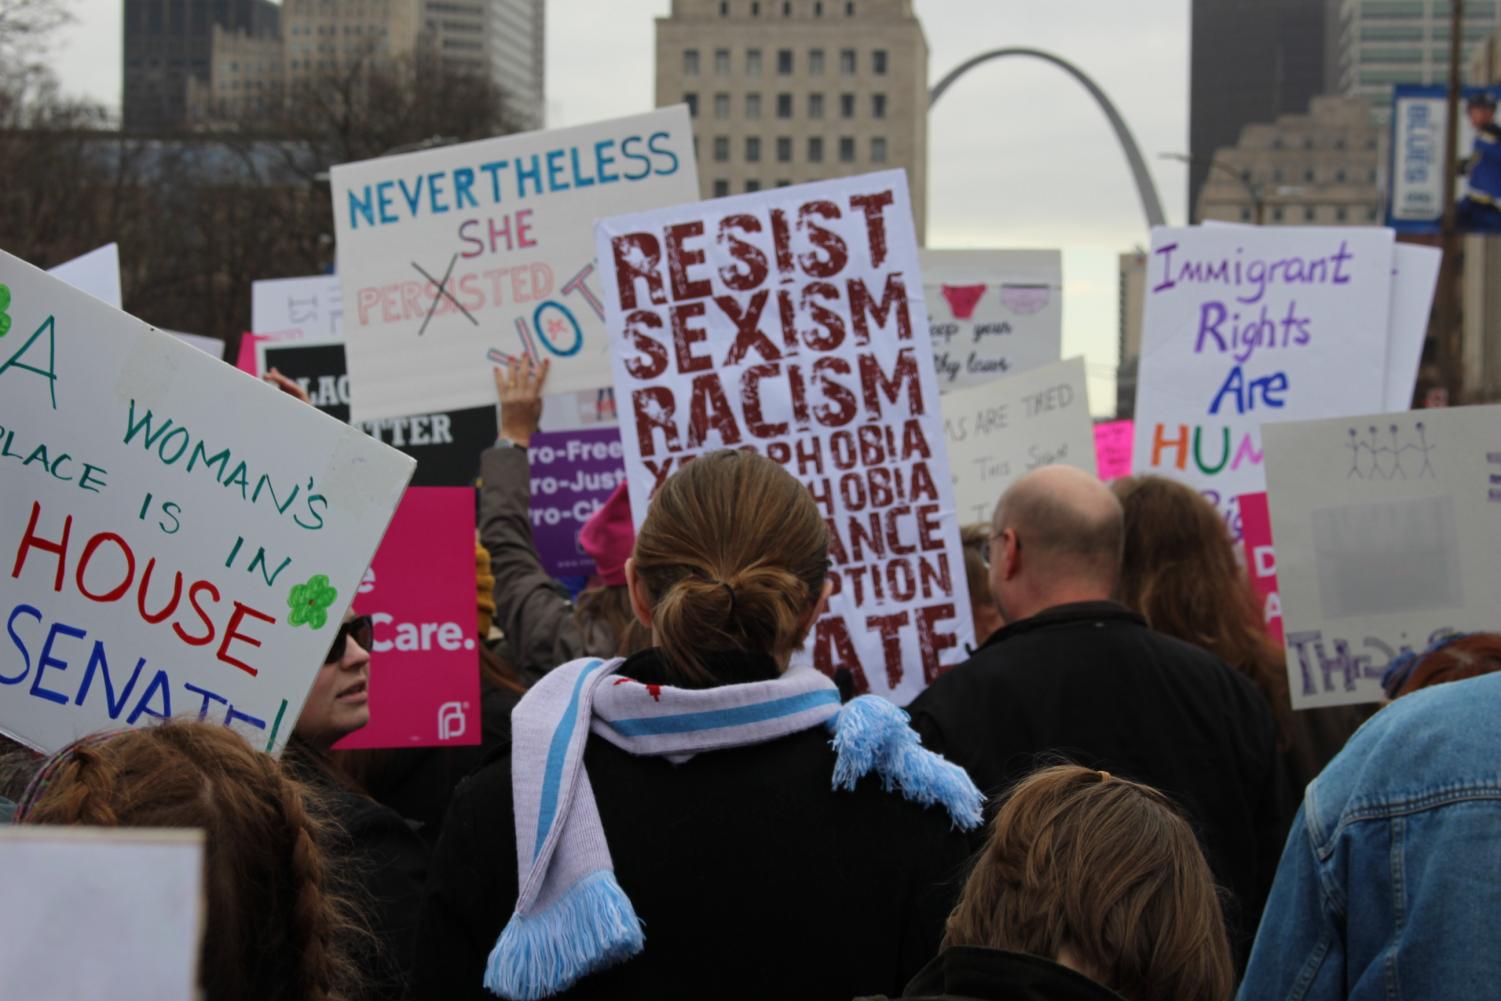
{"points": [[1112, 448], [420, 589], [1261, 561]]}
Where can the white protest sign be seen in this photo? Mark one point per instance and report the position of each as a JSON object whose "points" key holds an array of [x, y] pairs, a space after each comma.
{"points": [[1247, 326], [992, 312], [312, 305], [999, 432], [97, 273], [1388, 534], [458, 258], [791, 321], [133, 896], [176, 537]]}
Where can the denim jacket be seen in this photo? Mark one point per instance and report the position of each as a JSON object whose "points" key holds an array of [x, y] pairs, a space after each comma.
{"points": [[1390, 885]]}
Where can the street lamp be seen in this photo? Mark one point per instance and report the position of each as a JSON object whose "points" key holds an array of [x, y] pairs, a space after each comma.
{"points": [[1258, 204]]}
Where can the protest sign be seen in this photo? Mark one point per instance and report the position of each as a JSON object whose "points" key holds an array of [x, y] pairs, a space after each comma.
{"points": [[424, 663], [999, 432], [791, 321], [455, 258], [992, 312], [1261, 560], [573, 473], [1419, 120], [446, 446], [174, 537], [1244, 326], [311, 305], [1112, 448], [1388, 534], [134, 895], [97, 273]]}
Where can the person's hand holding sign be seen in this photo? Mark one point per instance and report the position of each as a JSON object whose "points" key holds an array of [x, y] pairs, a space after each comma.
{"points": [[519, 388], [286, 385]]}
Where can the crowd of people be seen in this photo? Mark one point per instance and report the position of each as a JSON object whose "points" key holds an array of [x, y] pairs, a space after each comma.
{"points": [[1109, 798]]}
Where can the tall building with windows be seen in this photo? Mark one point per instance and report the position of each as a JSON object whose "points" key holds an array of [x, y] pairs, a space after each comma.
{"points": [[169, 47], [502, 39], [787, 91], [1377, 43], [324, 36]]}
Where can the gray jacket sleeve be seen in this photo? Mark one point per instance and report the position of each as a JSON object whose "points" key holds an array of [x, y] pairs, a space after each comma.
{"points": [[532, 608]]}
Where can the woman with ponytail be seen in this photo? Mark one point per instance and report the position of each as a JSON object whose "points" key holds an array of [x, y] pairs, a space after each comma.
{"points": [[701, 819], [274, 930]]}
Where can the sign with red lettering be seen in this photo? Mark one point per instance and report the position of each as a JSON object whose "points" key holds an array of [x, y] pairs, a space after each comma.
{"points": [[792, 322], [455, 259], [1261, 560], [176, 538], [419, 590]]}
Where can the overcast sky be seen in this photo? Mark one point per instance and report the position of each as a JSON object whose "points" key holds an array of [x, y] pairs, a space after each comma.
{"points": [[1018, 153]]}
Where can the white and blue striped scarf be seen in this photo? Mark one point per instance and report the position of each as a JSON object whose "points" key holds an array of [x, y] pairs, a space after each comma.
{"points": [[572, 918]]}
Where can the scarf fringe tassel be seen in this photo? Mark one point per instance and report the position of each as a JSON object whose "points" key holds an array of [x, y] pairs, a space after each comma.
{"points": [[592, 926], [872, 735]]}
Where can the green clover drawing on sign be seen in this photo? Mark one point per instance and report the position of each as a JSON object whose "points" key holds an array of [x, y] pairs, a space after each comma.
{"points": [[4, 307], [310, 602]]}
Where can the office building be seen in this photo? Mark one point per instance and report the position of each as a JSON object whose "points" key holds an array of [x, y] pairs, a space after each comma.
{"points": [[1250, 61], [1133, 300], [322, 37], [168, 45], [788, 91], [1377, 43], [501, 39]]}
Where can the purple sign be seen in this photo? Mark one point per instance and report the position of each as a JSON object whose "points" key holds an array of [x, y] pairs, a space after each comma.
{"points": [[573, 473]]}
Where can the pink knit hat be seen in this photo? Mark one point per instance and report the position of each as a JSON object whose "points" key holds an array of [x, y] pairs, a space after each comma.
{"points": [[609, 536]]}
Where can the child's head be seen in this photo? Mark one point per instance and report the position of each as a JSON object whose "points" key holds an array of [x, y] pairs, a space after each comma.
{"points": [[1104, 876]]}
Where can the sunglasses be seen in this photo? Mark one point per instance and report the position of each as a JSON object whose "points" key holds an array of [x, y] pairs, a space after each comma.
{"points": [[361, 629]]}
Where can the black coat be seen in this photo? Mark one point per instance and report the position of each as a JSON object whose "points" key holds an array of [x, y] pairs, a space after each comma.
{"points": [[753, 877], [967, 973], [1090, 683]]}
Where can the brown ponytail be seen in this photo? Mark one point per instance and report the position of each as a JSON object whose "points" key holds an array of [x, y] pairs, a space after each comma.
{"points": [[733, 554], [274, 930]]}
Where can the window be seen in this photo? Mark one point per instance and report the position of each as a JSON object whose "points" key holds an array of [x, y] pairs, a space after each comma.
{"points": [[815, 62], [1370, 214], [1339, 175], [752, 149], [784, 62], [878, 105], [846, 149], [752, 106], [1277, 214], [721, 188], [752, 185], [1308, 175], [784, 149], [817, 12], [1308, 213], [847, 62], [786, 8], [1245, 215], [721, 106], [815, 105], [878, 62], [784, 183], [721, 62], [784, 105], [815, 149], [846, 105], [690, 62], [1276, 173], [1371, 175], [721, 149], [691, 100], [724, 11], [849, 8], [878, 149], [753, 62], [755, 10], [1341, 214]]}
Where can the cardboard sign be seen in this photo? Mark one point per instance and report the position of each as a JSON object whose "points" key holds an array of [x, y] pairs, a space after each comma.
{"points": [[1261, 560], [999, 432], [1112, 448], [134, 895], [1388, 531], [1245, 326], [97, 273], [992, 313], [176, 538], [791, 322], [446, 446], [420, 590], [456, 258], [573, 473], [311, 305]]}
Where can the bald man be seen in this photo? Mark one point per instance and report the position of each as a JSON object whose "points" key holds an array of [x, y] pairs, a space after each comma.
{"points": [[1073, 675]]}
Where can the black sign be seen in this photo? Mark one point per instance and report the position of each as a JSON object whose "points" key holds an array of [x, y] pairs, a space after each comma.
{"points": [[446, 446]]}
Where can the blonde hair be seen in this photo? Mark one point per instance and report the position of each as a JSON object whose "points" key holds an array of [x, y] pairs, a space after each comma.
{"points": [[1107, 870], [733, 554]]}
